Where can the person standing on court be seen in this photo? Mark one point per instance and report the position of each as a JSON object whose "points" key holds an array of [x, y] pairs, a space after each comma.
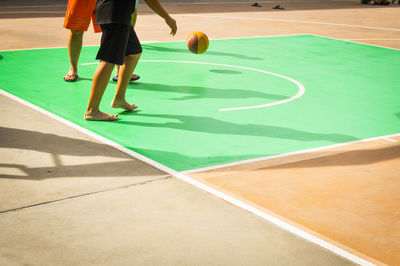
{"points": [[119, 46], [77, 19], [133, 23]]}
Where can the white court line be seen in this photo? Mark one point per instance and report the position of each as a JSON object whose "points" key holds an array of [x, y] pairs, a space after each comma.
{"points": [[388, 137], [145, 42], [261, 36], [318, 35], [345, 40], [229, 38], [280, 223], [300, 92], [43, 48], [372, 39], [294, 21], [59, 47]]}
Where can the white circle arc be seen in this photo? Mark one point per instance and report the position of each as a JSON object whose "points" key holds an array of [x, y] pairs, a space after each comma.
{"points": [[300, 92]]}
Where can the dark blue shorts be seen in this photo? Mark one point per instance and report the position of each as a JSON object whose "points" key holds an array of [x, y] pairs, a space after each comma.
{"points": [[117, 41]]}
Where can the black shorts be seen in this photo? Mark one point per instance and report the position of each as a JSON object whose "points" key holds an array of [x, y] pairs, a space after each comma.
{"points": [[118, 41]]}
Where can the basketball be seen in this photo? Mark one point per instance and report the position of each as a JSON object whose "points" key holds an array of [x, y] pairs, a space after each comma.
{"points": [[197, 42]]}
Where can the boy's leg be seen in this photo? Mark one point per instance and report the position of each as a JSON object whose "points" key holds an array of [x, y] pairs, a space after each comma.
{"points": [[117, 67], [133, 77], [100, 81], [74, 50], [125, 75]]}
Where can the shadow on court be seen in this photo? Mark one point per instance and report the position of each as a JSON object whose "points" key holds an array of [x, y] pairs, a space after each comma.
{"points": [[356, 157], [214, 53], [207, 160], [223, 71], [196, 92], [58, 145], [215, 126]]}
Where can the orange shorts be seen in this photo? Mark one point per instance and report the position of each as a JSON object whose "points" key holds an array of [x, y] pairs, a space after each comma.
{"points": [[79, 14]]}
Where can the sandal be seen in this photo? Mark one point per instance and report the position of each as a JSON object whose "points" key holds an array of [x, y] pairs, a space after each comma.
{"points": [[256, 5], [70, 77], [277, 7], [133, 78]]}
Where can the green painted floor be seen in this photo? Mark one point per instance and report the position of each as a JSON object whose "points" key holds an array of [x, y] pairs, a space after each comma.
{"points": [[352, 91]]}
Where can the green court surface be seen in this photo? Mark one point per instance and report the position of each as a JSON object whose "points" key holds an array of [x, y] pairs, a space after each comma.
{"points": [[330, 92]]}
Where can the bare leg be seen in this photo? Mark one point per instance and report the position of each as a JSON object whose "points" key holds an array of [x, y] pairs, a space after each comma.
{"points": [[117, 67], [74, 50], [100, 81], [123, 81], [117, 70]]}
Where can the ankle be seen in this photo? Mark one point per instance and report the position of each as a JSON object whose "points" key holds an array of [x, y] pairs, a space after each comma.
{"points": [[119, 99], [92, 111], [73, 69]]}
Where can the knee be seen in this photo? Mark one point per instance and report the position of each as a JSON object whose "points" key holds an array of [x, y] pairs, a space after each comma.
{"points": [[76, 33], [133, 57]]}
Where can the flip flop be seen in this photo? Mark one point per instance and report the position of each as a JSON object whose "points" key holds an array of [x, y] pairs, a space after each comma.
{"points": [[256, 5], [133, 78], [72, 77], [277, 7]]}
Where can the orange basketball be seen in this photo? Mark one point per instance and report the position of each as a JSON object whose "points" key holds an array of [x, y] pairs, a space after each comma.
{"points": [[197, 42]]}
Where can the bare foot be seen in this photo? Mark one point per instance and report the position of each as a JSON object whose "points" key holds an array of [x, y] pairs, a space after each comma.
{"points": [[123, 104], [100, 116]]}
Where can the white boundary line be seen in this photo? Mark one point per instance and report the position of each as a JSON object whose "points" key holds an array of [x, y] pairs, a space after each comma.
{"points": [[29, 49], [390, 139], [260, 36], [230, 38], [387, 137], [87, 132], [145, 42], [282, 224], [372, 39], [295, 21], [60, 47], [349, 40]]}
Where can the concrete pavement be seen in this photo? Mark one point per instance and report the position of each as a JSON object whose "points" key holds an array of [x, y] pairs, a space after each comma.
{"points": [[93, 205]]}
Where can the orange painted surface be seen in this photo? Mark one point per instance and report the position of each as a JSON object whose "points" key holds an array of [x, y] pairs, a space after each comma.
{"points": [[350, 195]]}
